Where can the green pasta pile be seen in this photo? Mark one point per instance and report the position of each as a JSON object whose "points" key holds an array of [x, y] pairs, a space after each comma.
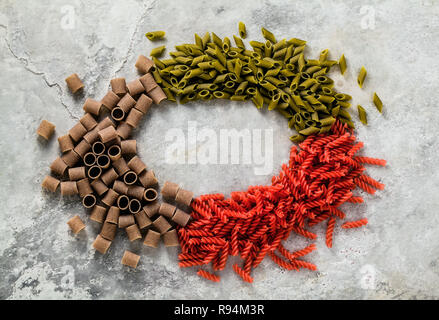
{"points": [[273, 74]]}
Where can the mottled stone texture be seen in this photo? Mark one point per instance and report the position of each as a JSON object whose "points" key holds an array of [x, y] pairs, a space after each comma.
{"points": [[395, 256]]}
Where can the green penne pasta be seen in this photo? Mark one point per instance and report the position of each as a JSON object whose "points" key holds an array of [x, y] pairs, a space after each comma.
{"points": [[344, 104], [217, 40], [327, 121], [362, 114], [321, 72], [238, 98], [241, 88], [157, 76], [267, 85], [328, 63], [274, 102], [288, 53], [155, 35], [176, 54], [190, 88], [325, 99], [342, 64], [362, 76], [377, 102], [296, 42], [348, 122], [280, 54], [239, 42], [198, 41], [237, 68], [301, 63], [169, 94], [306, 84], [268, 35], [206, 39], [325, 129], [323, 55], [279, 45], [226, 45], [309, 131], [297, 138], [242, 30], [268, 48], [157, 52], [298, 50], [251, 79]]}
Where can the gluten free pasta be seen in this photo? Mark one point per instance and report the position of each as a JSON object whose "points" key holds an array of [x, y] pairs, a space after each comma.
{"points": [[46, 129]]}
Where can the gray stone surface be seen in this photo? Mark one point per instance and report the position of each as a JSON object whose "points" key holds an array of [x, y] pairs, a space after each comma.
{"points": [[396, 256]]}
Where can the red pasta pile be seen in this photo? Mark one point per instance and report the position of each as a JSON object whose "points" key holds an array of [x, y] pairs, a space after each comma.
{"points": [[252, 224]]}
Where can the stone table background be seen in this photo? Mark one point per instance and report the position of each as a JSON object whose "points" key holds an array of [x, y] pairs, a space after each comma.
{"points": [[396, 256]]}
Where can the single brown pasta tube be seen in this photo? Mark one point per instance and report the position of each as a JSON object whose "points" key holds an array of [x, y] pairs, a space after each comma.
{"points": [[152, 209], [157, 95], [109, 176], [65, 143], [136, 192], [134, 117], [143, 103], [70, 158], [167, 210], [76, 224], [89, 159], [121, 166], [133, 232], [118, 85], [89, 201], [114, 152], [46, 129], [50, 183], [58, 166], [184, 197], [142, 219], [77, 132], [94, 172], [148, 82], [143, 64], [161, 224], [110, 197], [126, 220], [150, 195], [135, 206], [84, 187], [180, 217], [92, 136], [120, 187], [152, 239], [88, 121], [108, 231], [113, 142], [107, 134], [123, 202], [92, 106], [105, 123], [170, 238], [126, 103], [130, 259], [68, 188], [103, 161], [137, 165], [135, 87], [113, 215], [169, 190], [99, 187], [98, 214], [148, 179], [77, 173], [110, 100], [117, 114], [82, 148], [74, 83], [130, 178], [98, 148], [124, 130], [101, 244], [128, 147]]}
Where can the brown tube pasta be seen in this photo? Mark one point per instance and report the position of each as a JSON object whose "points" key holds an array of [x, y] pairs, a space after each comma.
{"points": [[123, 202], [58, 166], [68, 188], [118, 85], [110, 100], [170, 238], [46, 129], [84, 187], [94, 172], [143, 103], [109, 176], [110, 197], [135, 87], [50, 183], [124, 130], [113, 142], [120, 187], [92, 136], [142, 219], [108, 231], [136, 192], [101, 244], [76, 224], [99, 187], [113, 215], [121, 166], [77, 132], [150, 195], [74, 83], [180, 217], [157, 95], [169, 190], [137, 165], [92, 106], [130, 259], [148, 82], [117, 114], [130, 178], [70, 158], [107, 134], [82, 148], [104, 123], [148, 179], [126, 220], [98, 214], [133, 232], [135, 206], [89, 201], [103, 161], [134, 117], [152, 209], [126, 103], [128, 147], [77, 173], [167, 210], [152, 239], [98, 148], [161, 224], [114, 152], [65, 143], [143, 64], [89, 159], [88, 121], [184, 197]]}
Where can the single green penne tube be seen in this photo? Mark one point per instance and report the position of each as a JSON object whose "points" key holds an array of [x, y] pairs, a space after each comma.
{"points": [[221, 95], [205, 39], [275, 81], [182, 48], [183, 60], [308, 107], [251, 91], [239, 42], [246, 70], [312, 63], [182, 84], [229, 84], [259, 74], [377, 102], [166, 84], [267, 85], [230, 66], [287, 73], [288, 53], [176, 54], [218, 66], [257, 44], [193, 73], [297, 138], [221, 57], [327, 121], [321, 72], [158, 63], [207, 86], [156, 75], [328, 91], [198, 41], [301, 63], [296, 42], [305, 115], [344, 104], [295, 82], [211, 52], [285, 113], [299, 121], [323, 55], [190, 88], [280, 54], [206, 76], [203, 93], [169, 95], [174, 81], [280, 45], [226, 44], [155, 35], [268, 48], [362, 114], [237, 68], [325, 129], [195, 61], [328, 63], [312, 100], [205, 65], [313, 69], [306, 84], [294, 59], [217, 40], [264, 64], [169, 62], [274, 102], [251, 79], [242, 30], [315, 87], [238, 98], [220, 79], [342, 64], [325, 99], [309, 131], [298, 50], [343, 113], [362, 76], [241, 88], [340, 97], [335, 111], [298, 100], [321, 108], [268, 35], [157, 52]]}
